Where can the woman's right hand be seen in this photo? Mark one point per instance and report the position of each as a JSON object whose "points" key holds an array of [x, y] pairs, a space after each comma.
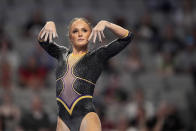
{"points": [[48, 31]]}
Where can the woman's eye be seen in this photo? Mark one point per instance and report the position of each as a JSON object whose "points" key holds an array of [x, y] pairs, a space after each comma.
{"points": [[84, 30], [74, 31]]}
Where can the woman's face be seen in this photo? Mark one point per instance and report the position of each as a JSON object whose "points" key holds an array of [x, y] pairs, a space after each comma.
{"points": [[79, 33]]}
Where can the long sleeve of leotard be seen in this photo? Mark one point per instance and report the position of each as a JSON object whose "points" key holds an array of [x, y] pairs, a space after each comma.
{"points": [[53, 49], [107, 51]]}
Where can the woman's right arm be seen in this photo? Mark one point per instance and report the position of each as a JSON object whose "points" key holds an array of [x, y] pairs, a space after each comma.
{"points": [[45, 38]]}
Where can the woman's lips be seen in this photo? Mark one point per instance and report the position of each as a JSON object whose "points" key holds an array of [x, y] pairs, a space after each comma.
{"points": [[80, 39]]}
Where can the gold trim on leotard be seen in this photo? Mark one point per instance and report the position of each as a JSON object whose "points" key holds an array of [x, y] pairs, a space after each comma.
{"points": [[77, 76], [74, 104], [84, 79], [63, 76], [126, 34], [73, 87], [73, 73], [65, 72]]}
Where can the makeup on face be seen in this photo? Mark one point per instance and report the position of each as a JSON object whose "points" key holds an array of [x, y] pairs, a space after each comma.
{"points": [[79, 33]]}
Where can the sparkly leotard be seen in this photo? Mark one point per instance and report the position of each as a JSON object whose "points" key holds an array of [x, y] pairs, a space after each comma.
{"points": [[76, 78]]}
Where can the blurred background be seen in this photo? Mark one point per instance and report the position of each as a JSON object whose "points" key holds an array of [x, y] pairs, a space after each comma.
{"points": [[149, 86]]}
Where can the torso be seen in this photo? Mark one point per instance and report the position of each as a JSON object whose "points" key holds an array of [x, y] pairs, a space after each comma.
{"points": [[75, 88]]}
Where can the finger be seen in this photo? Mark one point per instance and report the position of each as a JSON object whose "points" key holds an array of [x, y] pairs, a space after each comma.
{"points": [[42, 34], [89, 38], [46, 36], [53, 35], [50, 37], [99, 35], [102, 34], [94, 36]]}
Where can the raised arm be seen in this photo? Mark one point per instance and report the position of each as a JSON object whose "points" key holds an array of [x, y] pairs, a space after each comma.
{"points": [[107, 51], [45, 38]]}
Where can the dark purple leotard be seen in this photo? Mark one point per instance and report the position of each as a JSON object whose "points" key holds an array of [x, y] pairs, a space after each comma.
{"points": [[75, 84]]}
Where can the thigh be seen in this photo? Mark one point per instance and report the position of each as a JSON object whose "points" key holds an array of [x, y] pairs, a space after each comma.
{"points": [[61, 126], [90, 122]]}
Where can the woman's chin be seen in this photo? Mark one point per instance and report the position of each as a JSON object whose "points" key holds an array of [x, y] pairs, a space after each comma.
{"points": [[82, 45]]}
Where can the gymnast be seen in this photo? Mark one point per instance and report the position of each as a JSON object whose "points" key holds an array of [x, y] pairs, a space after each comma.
{"points": [[78, 69]]}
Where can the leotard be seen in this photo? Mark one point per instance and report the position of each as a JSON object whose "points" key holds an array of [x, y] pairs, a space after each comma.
{"points": [[76, 77]]}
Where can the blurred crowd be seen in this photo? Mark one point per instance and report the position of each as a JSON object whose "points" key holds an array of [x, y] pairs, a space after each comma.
{"points": [[149, 86]]}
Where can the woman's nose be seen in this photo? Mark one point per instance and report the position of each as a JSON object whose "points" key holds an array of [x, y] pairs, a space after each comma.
{"points": [[80, 33]]}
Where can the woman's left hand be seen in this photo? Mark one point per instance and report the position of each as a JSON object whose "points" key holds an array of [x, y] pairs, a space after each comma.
{"points": [[98, 31]]}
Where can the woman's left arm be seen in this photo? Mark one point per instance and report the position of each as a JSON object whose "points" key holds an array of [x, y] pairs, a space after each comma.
{"points": [[99, 28], [116, 29], [107, 51]]}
